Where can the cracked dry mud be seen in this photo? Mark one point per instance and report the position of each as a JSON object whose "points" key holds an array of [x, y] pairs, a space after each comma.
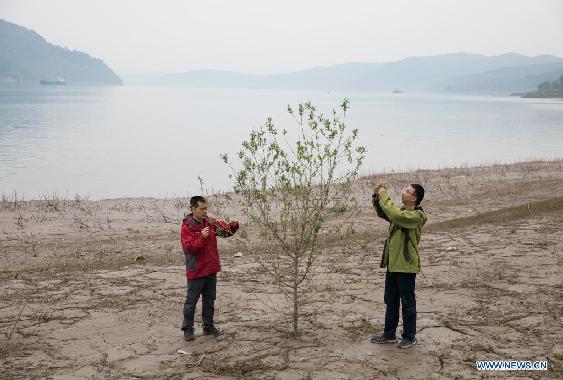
{"points": [[78, 301]]}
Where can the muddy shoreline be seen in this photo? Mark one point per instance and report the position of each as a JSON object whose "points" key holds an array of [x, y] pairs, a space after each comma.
{"points": [[94, 289]]}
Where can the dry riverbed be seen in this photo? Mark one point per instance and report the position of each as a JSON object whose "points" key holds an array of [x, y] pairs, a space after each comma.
{"points": [[94, 289]]}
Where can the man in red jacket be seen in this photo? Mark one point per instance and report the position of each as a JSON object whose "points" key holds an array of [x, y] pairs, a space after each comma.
{"points": [[199, 241]]}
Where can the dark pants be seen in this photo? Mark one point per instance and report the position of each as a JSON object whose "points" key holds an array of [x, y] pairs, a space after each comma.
{"points": [[207, 288], [399, 288]]}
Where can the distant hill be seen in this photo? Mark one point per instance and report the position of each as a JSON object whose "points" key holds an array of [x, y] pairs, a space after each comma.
{"points": [[548, 89], [25, 56], [506, 79], [452, 72], [211, 78]]}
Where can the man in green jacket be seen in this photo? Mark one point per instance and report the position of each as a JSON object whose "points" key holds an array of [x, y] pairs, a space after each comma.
{"points": [[402, 260]]}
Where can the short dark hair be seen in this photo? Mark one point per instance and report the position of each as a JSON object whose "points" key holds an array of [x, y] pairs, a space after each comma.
{"points": [[419, 191], [195, 200]]}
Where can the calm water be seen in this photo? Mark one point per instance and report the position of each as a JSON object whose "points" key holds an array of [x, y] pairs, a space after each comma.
{"points": [[155, 141]]}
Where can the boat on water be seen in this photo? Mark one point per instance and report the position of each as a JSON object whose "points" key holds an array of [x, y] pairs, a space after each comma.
{"points": [[397, 91], [57, 82]]}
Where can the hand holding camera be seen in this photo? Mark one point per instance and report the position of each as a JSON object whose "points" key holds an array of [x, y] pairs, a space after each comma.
{"points": [[380, 189]]}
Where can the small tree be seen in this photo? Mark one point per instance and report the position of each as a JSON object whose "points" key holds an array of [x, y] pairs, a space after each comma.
{"points": [[295, 188], [543, 86]]}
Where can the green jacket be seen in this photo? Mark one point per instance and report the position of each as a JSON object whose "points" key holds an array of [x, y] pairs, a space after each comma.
{"points": [[400, 252]]}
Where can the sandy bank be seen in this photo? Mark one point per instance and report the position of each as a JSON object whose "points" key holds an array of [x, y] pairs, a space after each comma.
{"points": [[95, 289]]}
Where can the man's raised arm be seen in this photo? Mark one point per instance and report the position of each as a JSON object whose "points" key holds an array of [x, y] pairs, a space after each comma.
{"points": [[375, 202]]}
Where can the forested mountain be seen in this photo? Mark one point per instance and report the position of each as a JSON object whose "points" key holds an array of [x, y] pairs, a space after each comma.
{"points": [[25, 56]]}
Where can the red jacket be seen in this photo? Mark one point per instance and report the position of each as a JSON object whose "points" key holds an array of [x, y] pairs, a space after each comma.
{"points": [[202, 257]]}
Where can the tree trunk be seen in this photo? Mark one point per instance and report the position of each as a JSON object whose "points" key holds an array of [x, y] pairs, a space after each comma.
{"points": [[295, 301]]}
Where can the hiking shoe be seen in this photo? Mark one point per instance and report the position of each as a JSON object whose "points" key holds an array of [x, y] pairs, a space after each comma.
{"points": [[189, 335], [406, 343], [383, 339], [212, 331]]}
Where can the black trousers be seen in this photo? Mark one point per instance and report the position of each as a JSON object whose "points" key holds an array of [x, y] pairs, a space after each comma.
{"points": [[207, 288], [399, 289]]}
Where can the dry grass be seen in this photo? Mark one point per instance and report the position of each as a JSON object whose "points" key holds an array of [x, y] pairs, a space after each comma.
{"points": [[240, 369], [357, 242], [504, 215]]}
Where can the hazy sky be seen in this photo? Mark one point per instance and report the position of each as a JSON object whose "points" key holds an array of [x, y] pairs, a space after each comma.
{"points": [[261, 36]]}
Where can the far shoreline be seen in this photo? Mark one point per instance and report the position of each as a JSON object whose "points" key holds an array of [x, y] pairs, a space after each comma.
{"points": [[70, 196]]}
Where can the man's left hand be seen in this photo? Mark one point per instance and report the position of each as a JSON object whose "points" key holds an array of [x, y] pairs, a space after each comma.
{"points": [[381, 191], [234, 226]]}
